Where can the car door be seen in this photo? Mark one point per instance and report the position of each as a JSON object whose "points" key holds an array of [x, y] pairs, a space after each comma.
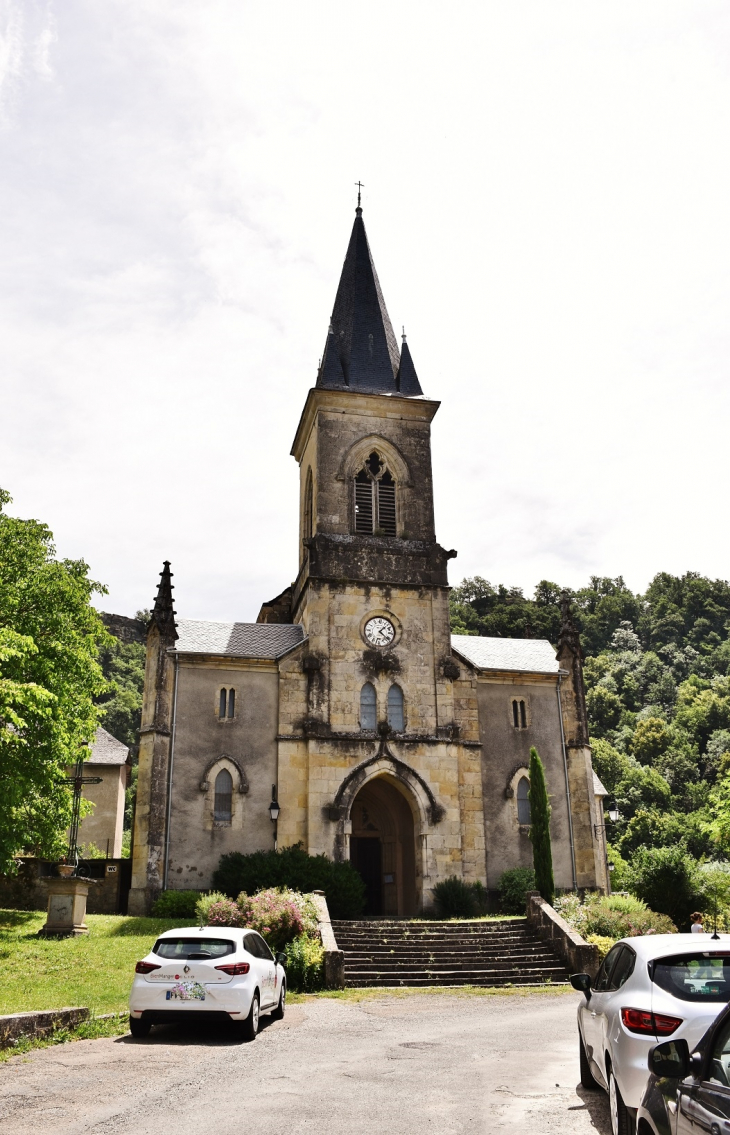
{"points": [[251, 945], [593, 1014], [703, 1103], [267, 960], [266, 968]]}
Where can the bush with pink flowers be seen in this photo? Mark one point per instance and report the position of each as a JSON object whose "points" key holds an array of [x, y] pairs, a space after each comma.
{"points": [[278, 915], [216, 910]]}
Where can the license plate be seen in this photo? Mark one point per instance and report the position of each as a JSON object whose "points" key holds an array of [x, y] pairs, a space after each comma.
{"points": [[186, 991]]}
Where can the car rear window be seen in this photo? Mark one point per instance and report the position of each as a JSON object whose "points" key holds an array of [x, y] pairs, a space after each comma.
{"points": [[181, 948], [699, 976]]}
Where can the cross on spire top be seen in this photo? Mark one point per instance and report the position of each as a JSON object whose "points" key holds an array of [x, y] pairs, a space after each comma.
{"points": [[360, 187]]}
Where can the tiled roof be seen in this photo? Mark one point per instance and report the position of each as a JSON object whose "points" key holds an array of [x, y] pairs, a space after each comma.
{"points": [[106, 750], [526, 655], [242, 640], [598, 789]]}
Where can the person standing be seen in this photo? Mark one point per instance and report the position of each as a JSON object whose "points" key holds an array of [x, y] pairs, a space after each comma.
{"points": [[696, 923]]}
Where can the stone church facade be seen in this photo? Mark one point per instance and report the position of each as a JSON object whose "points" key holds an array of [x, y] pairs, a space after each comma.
{"points": [[382, 737]]}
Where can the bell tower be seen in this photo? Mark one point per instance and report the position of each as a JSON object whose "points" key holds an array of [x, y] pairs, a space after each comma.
{"points": [[364, 450]]}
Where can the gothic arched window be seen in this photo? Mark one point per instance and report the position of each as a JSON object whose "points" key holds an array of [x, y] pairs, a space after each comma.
{"points": [[368, 707], [519, 713], [395, 709], [375, 498], [223, 803], [524, 815], [227, 704]]}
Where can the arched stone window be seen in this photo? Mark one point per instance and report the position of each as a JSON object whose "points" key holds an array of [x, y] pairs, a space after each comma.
{"points": [[368, 707], [223, 802], [307, 524], [519, 713], [524, 815], [395, 709], [375, 498], [227, 704]]}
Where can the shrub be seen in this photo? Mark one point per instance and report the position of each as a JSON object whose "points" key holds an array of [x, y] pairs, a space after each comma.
{"points": [[668, 880], [609, 917], [453, 898], [277, 915], [176, 904], [293, 867], [216, 909], [305, 964], [512, 886], [603, 944]]}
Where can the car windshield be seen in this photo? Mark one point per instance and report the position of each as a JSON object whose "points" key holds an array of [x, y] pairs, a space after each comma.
{"points": [[699, 976], [180, 948]]}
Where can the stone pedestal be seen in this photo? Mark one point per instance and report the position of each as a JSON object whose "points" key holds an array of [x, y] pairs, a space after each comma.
{"points": [[66, 907]]}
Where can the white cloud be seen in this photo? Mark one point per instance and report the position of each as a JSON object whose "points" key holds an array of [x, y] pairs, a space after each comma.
{"points": [[546, 193]]}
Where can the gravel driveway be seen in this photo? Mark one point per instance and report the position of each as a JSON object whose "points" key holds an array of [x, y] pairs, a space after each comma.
{"points": [[446, 1063]]}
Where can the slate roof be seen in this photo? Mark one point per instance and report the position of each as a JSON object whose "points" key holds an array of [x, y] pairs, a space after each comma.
{"points": [[598, 789], [241, 640], [361, 352], [106, 750], [526, 655]]}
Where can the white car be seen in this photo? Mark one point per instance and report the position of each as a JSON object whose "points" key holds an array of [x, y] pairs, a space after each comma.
{"points": [[208, 974], [647, 990]]}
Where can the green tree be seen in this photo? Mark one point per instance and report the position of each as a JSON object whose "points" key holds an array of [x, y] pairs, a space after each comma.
{"points": [[49, 677], [669, 881], [542, 856]]}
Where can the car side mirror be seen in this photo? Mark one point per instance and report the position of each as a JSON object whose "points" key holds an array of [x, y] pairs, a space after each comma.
{"points": [[672, 1059], [281, 959], [582, 982]]}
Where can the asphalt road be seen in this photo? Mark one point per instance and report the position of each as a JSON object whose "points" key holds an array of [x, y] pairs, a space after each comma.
{"points": [[447, 1063]]}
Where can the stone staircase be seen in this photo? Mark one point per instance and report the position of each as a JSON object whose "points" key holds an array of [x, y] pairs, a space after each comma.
{"points": [[387, 952]]}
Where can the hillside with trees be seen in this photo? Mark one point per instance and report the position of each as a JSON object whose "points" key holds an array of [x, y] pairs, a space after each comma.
{"points": [[657, 675]]}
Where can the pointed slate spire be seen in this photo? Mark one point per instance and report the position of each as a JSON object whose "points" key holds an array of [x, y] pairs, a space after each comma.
{"points": [[162, 612], [361, 351], [407, 379]]}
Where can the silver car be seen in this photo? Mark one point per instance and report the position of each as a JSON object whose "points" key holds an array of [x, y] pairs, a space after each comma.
{"points": [[647, 990]]}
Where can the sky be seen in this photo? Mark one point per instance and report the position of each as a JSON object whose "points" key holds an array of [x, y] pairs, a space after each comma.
{"points": [[546, 198]]}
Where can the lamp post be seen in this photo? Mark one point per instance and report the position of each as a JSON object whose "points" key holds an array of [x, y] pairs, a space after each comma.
{"points": [[274, 810]]}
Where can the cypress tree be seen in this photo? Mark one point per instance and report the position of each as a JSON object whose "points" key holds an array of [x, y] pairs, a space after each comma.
{"points": [[542, 855]]}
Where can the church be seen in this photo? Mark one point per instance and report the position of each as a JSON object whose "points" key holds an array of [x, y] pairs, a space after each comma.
{"points": [[348, 718]]}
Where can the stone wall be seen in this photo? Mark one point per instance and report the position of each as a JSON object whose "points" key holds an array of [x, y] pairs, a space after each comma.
{"points": [[578, 955], [28, 889]]}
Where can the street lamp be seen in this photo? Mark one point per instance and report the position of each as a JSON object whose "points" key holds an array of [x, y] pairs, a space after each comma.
{"points": [[274, 808], [613, 814]]}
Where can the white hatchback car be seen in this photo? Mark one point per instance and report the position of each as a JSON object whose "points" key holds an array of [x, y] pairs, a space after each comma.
{"points": [[647, 989], [208, 974]]}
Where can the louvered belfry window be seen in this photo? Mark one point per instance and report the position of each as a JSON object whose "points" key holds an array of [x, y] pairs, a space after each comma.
{"points": [[375, 499]]}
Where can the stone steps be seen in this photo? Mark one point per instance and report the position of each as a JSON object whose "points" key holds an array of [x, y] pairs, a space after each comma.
{"points": [[392, 953]]}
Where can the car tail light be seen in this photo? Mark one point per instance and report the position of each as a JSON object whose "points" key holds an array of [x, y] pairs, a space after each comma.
{"points": [[145, 967], [649, 1024], [666, 1025], [236, 969]]}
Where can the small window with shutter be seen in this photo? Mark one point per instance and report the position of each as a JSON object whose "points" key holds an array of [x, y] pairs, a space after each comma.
{"points": [[524, 815], [519, 713]]}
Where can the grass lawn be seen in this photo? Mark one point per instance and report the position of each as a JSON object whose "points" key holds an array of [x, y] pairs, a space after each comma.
{"points": [[95, 970]]}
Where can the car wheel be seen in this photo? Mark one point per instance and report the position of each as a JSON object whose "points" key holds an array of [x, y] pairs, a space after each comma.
{"points": [[620, 1120], [279, 1011], [138, 1027], [587, 1078], [251, 1024]]}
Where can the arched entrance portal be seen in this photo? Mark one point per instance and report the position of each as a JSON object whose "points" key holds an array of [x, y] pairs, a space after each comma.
{"points": [[382, 848]]}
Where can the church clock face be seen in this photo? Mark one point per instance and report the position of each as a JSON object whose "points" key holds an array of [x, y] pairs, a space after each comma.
{"points": [[379, 631]]}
